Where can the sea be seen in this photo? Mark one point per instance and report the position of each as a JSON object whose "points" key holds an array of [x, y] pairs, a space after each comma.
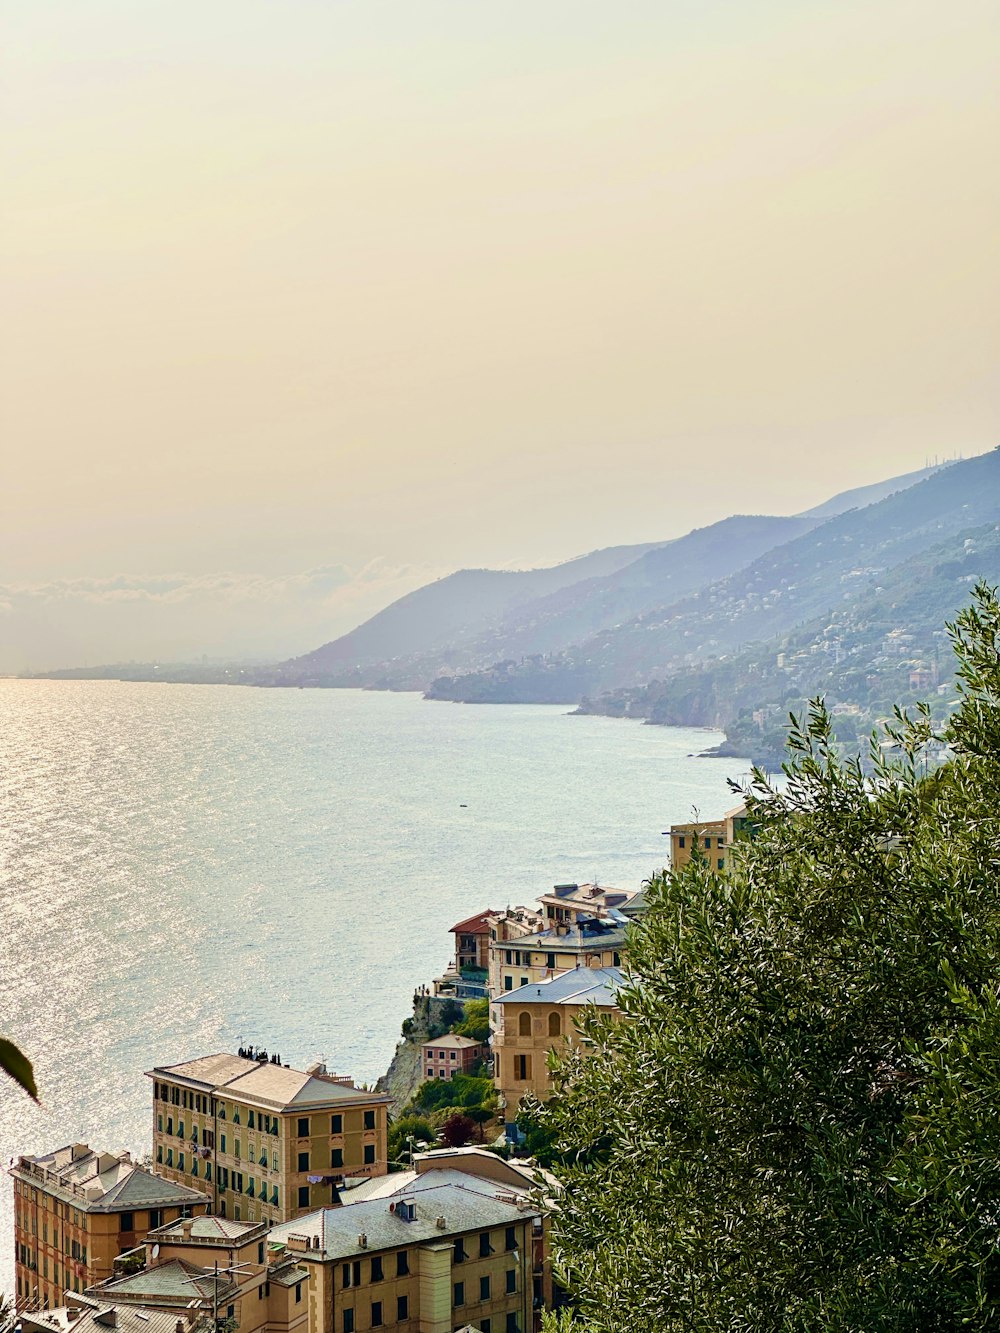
{"points": [[185, 869]]}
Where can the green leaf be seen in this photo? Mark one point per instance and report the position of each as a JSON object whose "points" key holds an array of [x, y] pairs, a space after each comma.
{"points": [[15, 1063]]}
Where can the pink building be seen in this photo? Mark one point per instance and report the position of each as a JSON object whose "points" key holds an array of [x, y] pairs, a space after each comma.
{"points": [[450, 1055]]}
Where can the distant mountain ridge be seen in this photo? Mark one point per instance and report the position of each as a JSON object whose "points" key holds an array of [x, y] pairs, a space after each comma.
{"points": [[450, 611], [444, 636], [788, 584]]}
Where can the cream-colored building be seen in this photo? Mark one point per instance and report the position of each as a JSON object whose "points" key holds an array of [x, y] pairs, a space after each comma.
{"points": [[265, 1142], [575, 902], [541, 1017], [424, 1254], [76, 1210]]}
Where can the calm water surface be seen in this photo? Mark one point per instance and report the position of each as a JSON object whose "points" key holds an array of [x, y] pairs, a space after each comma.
{"points": [[184, 868]]}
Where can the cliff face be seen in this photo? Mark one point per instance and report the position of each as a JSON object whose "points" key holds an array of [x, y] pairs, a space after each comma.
{"points": [[431, 1017]]}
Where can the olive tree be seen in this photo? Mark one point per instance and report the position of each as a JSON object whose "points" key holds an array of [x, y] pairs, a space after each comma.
{"points": [[796, 1124]]}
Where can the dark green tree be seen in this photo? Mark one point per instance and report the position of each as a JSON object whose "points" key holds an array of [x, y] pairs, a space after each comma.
{"points": [[796, 1126]]}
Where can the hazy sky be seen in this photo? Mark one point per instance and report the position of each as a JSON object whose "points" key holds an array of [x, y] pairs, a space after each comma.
{"points": [[312, 286]]}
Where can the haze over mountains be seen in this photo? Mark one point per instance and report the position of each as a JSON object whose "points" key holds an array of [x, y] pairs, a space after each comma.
{"points": [[471, 620], [728, 626]]}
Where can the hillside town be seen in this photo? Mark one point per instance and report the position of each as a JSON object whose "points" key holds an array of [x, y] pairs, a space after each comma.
{"points": [[272, 1201]]}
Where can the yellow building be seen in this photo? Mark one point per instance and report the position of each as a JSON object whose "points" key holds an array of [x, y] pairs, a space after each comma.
{"points": [[712, 838], [590, 943], [538, 1018], [76, 1210], [264, 1141], [438, 1250], [216, 1269]]}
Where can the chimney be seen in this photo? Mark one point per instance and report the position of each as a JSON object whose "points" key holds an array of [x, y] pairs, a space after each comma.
{"points": [[179, 1326], [439, 1222], [108, 1317], [79, 1151], [186, 1225], [363, 1241]]}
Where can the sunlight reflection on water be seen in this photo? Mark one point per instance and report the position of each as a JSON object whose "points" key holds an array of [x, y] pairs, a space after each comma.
{"points": [[186, 867]]}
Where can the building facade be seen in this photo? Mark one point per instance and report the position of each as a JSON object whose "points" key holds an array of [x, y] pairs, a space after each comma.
{"points": [[76, 1210], [539, 1018], [265, 1142], [450, 1055], [589, 943], [441, 1251], [711, 839]]}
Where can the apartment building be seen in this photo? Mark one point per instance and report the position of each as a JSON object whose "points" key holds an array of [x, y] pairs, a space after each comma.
{"points": [[450, 1055], [711, 838], [433, 1252], [76, 1210], [587, 942], [264, 1141], [215, 1269], [574, 902], [538, 1018]]}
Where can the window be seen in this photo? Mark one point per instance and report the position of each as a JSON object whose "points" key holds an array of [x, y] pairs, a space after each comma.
{"points": [[237, 1149], [403, 1263], [250, 1121], [303, 1161], [369, 1154], [376, 1314], [260, 1252], [512, 1324], [222, 1110], [180, 1161], [303, 1127], [159, 1123], [460, 1254], [510, 1239], [508, 983], [336, 1157], [485, 1248], [274, 1161], [524, 981], [377, 1269], [336, 1124], [459, 1294], [555, 1024], [222, 1143], [369, 1120], [616, 959], [452, 1055], [298, 1293], [170, 1124], [159, 1152], [522, 1068], [303, 1196], [236, 1115], [681, 841], [485, 1326], [402, 1308], [550, 960], [348, 1321], [170, 1157], [524, 1024], [511, 1281], [484, 1287], [180, 1129], [722, 862]]}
